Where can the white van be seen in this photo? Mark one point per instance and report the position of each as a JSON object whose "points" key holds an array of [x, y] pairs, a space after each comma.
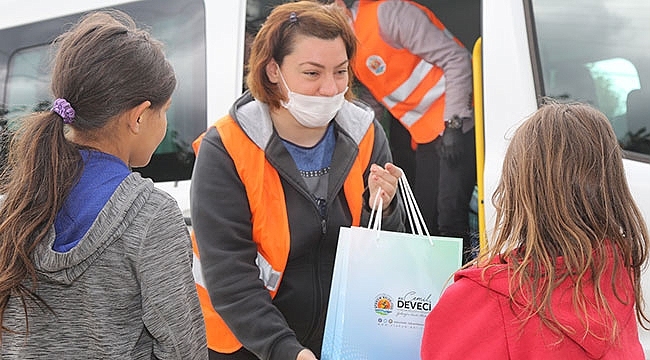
{"points": [[195, 33], [590, 50]]}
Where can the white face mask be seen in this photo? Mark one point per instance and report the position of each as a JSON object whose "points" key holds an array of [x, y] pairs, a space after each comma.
{"points": [[312, 111]]}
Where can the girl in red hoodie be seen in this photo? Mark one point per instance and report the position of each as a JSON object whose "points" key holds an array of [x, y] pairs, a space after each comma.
{"points": [[561, 277]]}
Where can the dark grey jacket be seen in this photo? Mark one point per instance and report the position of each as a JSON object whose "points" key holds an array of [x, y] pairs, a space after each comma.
{"points": [[277, 328], [124, 292]]}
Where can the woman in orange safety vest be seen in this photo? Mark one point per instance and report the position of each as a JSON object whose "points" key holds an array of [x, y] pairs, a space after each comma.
{"points": [[275, 179]]}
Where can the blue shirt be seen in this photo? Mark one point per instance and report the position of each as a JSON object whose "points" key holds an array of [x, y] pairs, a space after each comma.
{"points": [[314, 165], [316, 158], [102, 174]]}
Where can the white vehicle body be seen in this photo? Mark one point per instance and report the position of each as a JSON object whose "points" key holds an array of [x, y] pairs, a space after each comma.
{"points": [[582, 33], [523, 49], [223, 31]]}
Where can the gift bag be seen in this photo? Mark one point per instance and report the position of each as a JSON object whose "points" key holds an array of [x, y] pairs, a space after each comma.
{"points": [[383, 287]]}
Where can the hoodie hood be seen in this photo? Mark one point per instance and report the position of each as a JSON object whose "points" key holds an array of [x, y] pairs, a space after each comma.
{"points": [[592, 335], [116, 216]]}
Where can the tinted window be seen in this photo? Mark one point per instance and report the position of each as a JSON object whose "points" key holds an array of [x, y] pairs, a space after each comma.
{"points": [[24, 66], [596, 51]]}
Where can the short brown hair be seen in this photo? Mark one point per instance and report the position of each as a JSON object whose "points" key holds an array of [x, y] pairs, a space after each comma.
{"points": [[276, 39]]}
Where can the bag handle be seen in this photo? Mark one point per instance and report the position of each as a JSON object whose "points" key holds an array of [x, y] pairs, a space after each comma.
{"points": [[374, 222], [413, 213]]}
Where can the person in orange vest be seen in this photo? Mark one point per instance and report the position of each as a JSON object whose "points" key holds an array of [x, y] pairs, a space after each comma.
{"points": [[561, 278], [422, 75], [295, 159]]}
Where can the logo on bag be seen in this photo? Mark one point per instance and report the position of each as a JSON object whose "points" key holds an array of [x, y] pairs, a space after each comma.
{"points": [[383, 304], [411, 301]]}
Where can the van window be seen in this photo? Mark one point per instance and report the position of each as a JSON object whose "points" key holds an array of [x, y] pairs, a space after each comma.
{"points": [[596, 52], [614, 79], [180, 25]]}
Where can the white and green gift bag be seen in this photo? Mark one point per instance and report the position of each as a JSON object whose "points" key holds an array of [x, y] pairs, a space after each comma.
{"points": [[383, 287]]}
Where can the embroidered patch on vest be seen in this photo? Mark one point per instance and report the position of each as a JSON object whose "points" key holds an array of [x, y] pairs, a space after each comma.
{"points": [[376, 64]]}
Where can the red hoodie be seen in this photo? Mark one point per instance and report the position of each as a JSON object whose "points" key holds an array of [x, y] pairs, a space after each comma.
{"points": [[474, 319]]}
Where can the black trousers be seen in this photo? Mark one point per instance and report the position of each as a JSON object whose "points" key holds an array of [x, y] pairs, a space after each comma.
{"points": [[442, 189]]}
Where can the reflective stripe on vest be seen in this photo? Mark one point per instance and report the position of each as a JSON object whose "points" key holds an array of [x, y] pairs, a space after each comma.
{"points": [[269, 276], [416, 97], [268, 211], [401, 94]]}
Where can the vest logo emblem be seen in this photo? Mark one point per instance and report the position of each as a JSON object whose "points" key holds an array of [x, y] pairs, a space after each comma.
{"points": [[376, 64]]}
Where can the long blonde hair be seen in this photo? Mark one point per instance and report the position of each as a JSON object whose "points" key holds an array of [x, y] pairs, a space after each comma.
{"points": [[563, 193]]}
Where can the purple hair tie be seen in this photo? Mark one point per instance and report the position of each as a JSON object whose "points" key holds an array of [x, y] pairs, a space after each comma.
{"points": [[293, 18], [64, 109]]}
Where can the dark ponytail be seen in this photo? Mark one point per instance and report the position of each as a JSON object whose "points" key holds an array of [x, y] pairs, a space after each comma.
{"points": [[104, 66]]}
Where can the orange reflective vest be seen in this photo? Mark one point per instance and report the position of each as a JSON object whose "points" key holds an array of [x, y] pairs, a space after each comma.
{"points": [[268, 216], [412, 89]]}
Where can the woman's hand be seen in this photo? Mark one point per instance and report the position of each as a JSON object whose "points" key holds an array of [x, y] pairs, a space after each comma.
{"points": [[306, 354], [383, 181]]}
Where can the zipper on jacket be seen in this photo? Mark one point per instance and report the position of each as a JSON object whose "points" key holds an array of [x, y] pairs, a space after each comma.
{"points": [[321, 205], [322, 210]]}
